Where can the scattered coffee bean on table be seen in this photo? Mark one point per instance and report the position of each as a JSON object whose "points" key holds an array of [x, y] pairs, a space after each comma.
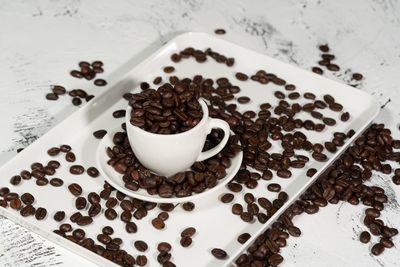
{"points": [[220, 31], [140, 245], [219, 253], [99, 134]]}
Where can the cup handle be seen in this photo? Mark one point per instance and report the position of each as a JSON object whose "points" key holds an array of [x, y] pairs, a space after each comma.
{"points": [[216, 123]]}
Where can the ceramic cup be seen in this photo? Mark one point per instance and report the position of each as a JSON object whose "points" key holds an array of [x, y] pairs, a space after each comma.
{"points": [[168, 154]]}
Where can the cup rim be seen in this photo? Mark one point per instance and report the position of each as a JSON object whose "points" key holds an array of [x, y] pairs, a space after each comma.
{"points": [[204, 108]]}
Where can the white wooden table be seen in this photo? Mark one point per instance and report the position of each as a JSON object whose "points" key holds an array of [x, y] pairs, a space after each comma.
{"points": [[42, 40]]}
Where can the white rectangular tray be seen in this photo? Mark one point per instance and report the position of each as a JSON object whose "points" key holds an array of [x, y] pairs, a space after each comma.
{"points": [[216, 225]]}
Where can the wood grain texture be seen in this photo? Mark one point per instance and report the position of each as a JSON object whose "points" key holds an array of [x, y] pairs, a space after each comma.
{"points": [[42, 40]]}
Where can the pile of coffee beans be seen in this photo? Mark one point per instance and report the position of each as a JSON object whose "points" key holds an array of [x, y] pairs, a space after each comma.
{"points": [[326, 61], [344, 180], [257, 131], [87, 71], [202, 176], [170, 109], [201, 56]]}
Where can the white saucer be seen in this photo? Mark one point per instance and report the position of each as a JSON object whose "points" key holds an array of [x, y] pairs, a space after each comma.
{"points": [[115, 179]]}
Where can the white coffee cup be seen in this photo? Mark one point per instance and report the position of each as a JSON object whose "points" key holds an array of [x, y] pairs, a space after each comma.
{"points": [[168, 154]]}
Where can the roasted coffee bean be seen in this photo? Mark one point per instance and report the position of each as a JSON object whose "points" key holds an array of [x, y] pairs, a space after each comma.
{"points": [[27, 198], [42, 181], [190, 231], [234, 187], [99, 134], [51, 96], [220, 31], [329, 121], [15, 180], [75, 189], [141, 260], [93, 198], [319, 156], [80, 203], [100, 82], [237, 209], [357, 76], [16, 204], [219, 253], [54, 151], [169, 69], [26, 175], [241, 76], [333, 67], [188, 206], [104, 239], [92, 172], [94, 210], [164, 247], [126, 216], [119, 113], [317, 70], [274, 187], [246, 216], [158, 223], [110, 214], [58, 90], [10, 196], [275, 259], [70, 157], [249, 198], [186, 241], [76, 169], [53, 164], [76, 101], [377, 249], [284, 173], [84, 220], [386, 242], [59, 216], [294, 231], [243, 238], [227, 198], [324, 48], [57, 182], [28, 210], [140, 245], [243, 100], [40, 213]]}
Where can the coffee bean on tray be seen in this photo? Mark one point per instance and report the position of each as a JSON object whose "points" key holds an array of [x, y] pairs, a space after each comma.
{"points": [[75, 189], [76, 169], [99, 134], [219, 253]]}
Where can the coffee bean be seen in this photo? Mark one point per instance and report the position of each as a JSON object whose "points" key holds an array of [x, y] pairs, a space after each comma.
{"points": [[249, 198], [284, 173], [76, 101], [141, 260], [319, 156], [70, 157], [357, 76], [100, 82], [93, 198], [54, 151], [169, 69], [377, 249], [40, 213], [274, 187], [243, 238], [58, 90], [333, 67], [188, 206], [75, 189], [243, 100], [219, 253], [386, 242], [220, 31], [237, 209], [99, 134], [92, 172], [275, 259], [189, 232], [16, 204], [324, 48], [141, 245], [241, 76], [28, 210], [27, 198], [317, 70], [42, 181], [80, 203], [84, 220], [76, 169], [294, 231], [158, 223], [51, 96], [119, 113], [164, 247], [345, 116], [15, 180], [329, 121], [57, 182], [110, 214], [234, 187], [227, 198], [186, 241], [59, 216]]}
